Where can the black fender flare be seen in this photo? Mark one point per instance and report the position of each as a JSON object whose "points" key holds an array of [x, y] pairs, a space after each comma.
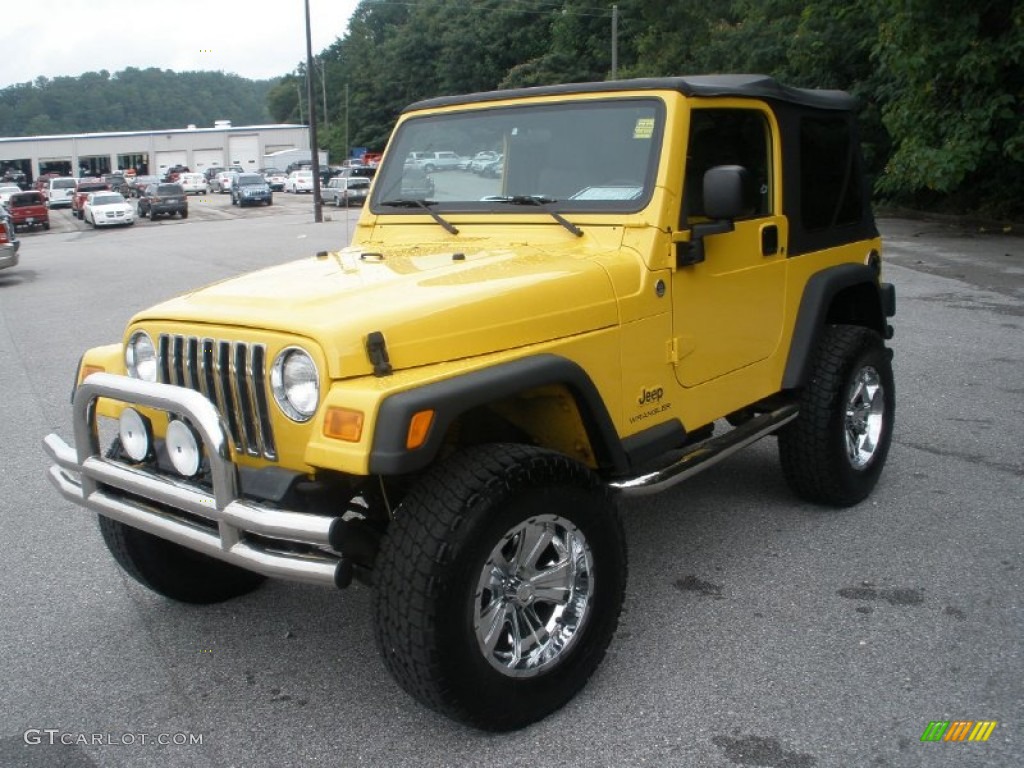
{"points": [[452, 397], [816, 306]]}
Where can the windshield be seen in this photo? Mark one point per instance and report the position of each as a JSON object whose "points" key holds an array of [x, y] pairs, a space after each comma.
{"points": [[245, 181], [585, 156]]}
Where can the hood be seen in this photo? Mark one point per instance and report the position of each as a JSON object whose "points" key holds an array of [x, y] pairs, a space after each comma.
{"points": [[432, 305]]}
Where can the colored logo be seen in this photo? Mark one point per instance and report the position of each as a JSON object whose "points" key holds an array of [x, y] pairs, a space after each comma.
{"points": [[959, 730]]}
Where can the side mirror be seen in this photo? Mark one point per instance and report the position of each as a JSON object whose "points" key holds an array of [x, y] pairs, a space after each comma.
{"points": [[726, 189], [725, 192]]}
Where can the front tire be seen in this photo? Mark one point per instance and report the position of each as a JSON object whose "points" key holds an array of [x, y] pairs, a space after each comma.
{"points": [[834, 452], [499, 585]]}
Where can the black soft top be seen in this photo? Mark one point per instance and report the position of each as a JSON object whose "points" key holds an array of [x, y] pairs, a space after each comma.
{"points": [[751, 86]]}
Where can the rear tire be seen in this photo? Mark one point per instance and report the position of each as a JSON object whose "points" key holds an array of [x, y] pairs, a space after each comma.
{"points": [[834, 451], [499, 585]]}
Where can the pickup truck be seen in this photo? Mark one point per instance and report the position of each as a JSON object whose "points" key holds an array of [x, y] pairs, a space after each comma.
{"points": [[437, 161], [82, 190], [28, 209]]}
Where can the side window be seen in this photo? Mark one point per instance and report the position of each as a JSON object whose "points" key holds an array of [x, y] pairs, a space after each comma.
{"points": [[728, 137], [829, 182]]}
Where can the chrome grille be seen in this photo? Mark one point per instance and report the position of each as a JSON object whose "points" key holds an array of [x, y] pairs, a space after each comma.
{"points": [[232, 375]]}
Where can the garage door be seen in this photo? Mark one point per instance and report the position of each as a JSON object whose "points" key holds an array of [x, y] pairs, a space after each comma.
{"points": [[166, 159], [207, 158], [244, 151]]}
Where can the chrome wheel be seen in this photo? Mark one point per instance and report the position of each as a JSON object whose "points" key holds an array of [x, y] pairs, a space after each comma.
{"points": [[533, 596], [865, 416]]}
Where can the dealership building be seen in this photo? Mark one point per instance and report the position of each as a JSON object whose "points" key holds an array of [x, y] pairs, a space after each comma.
{"points": [[153, 152]]}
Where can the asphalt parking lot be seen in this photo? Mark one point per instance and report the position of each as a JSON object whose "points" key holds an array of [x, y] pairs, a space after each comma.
{"points": [[758, 631], [212, 207]]}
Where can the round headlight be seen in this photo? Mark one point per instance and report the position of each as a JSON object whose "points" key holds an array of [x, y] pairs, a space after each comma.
{"points": [[140, 357], [295, 383]]}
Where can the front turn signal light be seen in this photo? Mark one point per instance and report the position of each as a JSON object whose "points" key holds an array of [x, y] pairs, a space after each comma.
{"points": [[89, 370], [343, 424], [419, 428]]}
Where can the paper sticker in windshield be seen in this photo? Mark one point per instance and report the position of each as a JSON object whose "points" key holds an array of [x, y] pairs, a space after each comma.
{"points": [[644, 128]]}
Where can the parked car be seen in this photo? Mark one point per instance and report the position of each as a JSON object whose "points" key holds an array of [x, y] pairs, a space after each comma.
{"points": [[6, 191], [60, 190], [105, 209], [82, 191], [223, 181], [117, 182], [275, 179], [193, 183], [9, 242], [15, 177], [160, 199], [347, 190], [211, 172], [363, 171], [416, 184], [174, 172], [439, 161], [299, 181], [139, 183], [250, 189], [494, 169], [28, 209], [480, 159]]}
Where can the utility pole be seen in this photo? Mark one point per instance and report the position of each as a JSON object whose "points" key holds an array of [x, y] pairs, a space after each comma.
{"points": [[298, 96], [314, 145], [615, 42], [323, 87]]}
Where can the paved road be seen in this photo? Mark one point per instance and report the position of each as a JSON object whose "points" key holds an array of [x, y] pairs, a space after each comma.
{"points": [[759, 631]]}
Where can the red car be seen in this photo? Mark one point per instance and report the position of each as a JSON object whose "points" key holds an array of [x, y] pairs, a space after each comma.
{"points": [[82, 190], [28, 209]]}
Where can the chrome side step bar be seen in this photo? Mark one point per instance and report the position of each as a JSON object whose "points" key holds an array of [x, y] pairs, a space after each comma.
{"points": [[706, 454]]}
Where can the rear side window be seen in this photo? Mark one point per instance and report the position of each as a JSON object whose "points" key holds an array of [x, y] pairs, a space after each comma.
{"points": [[829, 178]]}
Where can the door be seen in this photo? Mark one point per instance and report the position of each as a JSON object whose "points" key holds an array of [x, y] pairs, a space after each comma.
{"points": [[728, 309]]}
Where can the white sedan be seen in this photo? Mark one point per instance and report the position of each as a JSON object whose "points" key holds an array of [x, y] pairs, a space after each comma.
{"points": [[6, 192], [299, 181], [106, 209], [193, 183]]}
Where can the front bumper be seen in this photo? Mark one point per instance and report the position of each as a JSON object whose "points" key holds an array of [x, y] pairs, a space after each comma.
{"points": [[274, 542]]}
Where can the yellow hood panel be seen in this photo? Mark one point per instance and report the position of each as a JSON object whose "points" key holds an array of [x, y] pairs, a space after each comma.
{"points": [[430, 304]]}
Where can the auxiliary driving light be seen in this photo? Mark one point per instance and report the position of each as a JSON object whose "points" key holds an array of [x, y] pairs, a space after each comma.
{"points": [[136, 434], [183, 448]]}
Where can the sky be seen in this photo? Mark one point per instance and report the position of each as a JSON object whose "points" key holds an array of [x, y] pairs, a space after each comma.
{"points": [[257, 39]]}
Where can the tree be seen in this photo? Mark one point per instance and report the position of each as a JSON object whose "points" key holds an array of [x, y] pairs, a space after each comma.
{"points": [[952, 100]]}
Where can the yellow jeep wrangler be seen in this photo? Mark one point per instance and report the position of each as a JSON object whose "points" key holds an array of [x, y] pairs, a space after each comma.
{"points": [[448, 408]]}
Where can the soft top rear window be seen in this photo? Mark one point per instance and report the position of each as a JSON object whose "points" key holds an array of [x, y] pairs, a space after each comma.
{"points": [[170, 189]]}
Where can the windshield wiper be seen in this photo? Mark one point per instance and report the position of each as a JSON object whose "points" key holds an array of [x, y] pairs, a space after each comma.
{"points": [[541, 202], [425, 205]]}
